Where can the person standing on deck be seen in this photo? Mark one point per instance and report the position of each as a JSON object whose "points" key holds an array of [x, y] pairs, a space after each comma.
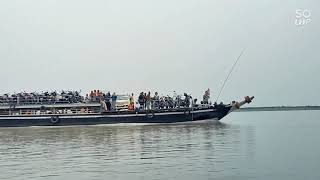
{"points": [[148, 100], [103, 103], [97, 94], [91, 96], [206, 97], [187, 100], [155, 101], [94, 96], [141, 100], [174, 99], [114, 101], [145, 101], [107, 100], [131, 100]]}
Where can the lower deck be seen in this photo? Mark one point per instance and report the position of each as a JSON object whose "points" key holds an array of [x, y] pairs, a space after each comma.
{"points": [[143, 116]]}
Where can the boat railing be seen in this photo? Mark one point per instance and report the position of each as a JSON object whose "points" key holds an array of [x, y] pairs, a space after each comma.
{"points": [[31, 112], [86, 110]]}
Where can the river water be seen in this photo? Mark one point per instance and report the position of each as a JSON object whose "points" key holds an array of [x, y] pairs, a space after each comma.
{"points": [[245, 145]]}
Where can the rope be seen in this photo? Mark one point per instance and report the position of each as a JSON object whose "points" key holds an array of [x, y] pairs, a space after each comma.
{"points": [[233, 66]]}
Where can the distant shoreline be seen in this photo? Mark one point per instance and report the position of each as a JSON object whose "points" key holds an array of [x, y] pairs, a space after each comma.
{"points": [[280, 108]]}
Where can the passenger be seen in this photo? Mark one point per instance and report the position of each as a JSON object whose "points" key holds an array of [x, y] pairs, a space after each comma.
{"points": [[104, 105], [145, 100], [155, 101], [174, 99], [162, 103], [131, 107], [114, 100], [87, 99], [148, 101], [169, 102], [137, 107], [206, 97], [94, 97], [97, 96], [131, 99], [187, 100], [107, 100], [141, 100], [165, 102], [178, 101]]}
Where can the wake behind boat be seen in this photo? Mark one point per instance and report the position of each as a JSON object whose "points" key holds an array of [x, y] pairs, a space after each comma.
{"points": [[98, 108]]}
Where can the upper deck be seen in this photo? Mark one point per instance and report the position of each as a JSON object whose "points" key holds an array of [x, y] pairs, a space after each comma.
{"points": [[53, 106]]}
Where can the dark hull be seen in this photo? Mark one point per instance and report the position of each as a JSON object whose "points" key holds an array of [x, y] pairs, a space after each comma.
{"points": [[171, 116]]}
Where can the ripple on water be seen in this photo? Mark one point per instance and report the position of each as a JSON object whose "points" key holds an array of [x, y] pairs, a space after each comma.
{"points": [[123, 151]]}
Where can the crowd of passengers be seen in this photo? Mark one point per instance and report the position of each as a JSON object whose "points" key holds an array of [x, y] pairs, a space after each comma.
{"points": [[145, 100], [148, 101], [108, 100], [54, 97]]}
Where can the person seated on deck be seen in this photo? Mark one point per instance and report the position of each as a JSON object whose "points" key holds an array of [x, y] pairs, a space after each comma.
{"points": [[82, 110], [194, 103], [137, 107], [87, 99], [131, 107]]}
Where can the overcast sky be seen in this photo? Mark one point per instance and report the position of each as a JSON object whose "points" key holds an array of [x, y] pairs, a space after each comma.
{"points": [[183, 45]]}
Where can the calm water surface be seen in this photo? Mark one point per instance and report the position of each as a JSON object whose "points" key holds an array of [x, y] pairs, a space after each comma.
{"points": [[245, 145]]}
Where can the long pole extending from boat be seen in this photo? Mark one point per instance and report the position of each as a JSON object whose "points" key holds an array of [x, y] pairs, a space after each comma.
{"points": [[233, 66]]}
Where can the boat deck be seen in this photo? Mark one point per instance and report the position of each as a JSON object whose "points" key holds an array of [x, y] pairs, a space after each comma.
{"points": [[83, 109]]}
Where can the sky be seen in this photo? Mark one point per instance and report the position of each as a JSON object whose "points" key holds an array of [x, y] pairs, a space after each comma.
{"points": [[146, 45]]}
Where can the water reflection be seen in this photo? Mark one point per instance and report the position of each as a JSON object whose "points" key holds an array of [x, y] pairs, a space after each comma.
{"points": [[125, 151]]}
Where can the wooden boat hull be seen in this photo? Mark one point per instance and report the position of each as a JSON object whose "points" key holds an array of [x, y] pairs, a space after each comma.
{"points": [[163, 116]]}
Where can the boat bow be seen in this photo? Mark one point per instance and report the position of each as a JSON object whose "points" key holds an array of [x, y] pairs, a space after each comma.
{"points": [[237, 105]]}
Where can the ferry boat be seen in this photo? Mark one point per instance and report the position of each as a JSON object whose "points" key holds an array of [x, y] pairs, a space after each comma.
{"points": [[93, 113]]}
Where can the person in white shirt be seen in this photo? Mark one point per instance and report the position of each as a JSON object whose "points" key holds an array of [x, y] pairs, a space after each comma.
{"points": [[174, 99], [137, 107]]}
